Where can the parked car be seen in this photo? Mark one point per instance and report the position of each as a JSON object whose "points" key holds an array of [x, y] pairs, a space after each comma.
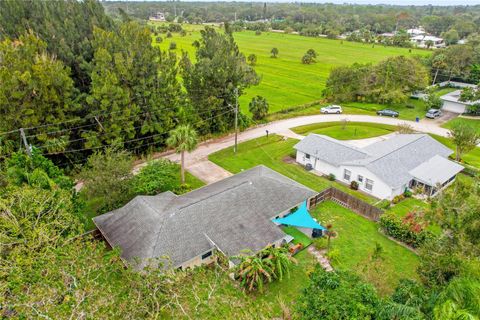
{"points": [[388, 113], [433, 113], [331, 109]]}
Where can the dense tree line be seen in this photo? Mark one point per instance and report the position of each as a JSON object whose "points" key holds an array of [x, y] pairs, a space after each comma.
{"points": [[390, 81], [311, 19], [79, 86]]}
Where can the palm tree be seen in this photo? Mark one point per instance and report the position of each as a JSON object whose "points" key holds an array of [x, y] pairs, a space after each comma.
{"points": [[280, 260], [183, 138], [254, 271]]}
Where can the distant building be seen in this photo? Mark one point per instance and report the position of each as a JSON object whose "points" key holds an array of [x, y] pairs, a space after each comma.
{"points": [[416, 32], [421, 41], [159, 16], [451, 101]]}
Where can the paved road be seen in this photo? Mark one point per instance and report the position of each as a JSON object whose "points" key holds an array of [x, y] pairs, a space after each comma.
{"points": [[197, 163]]}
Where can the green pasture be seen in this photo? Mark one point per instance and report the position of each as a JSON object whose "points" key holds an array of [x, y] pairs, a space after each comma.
{"points": [[286, 82]]}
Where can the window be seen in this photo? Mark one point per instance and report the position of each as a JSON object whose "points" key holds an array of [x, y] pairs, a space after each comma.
{"points": [[307, 156], [368, 184], [360, 178], [347, 174], [206, 255]]}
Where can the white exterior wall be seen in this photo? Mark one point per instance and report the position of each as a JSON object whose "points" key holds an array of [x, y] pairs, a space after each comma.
{"points": [[380, 189], [455, 107]]}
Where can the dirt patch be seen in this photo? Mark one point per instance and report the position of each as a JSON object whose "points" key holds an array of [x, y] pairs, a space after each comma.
{"points": [[288, 159]]}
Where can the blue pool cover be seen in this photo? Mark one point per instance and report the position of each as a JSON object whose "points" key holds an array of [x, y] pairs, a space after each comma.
{"points": [[300, 218]]}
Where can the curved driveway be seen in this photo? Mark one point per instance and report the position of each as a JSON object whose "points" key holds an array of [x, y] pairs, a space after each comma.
{"points": [[283, 126], [198, 164]]}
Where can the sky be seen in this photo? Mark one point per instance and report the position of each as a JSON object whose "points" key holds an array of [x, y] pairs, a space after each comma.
{"points": [[391, 2]]}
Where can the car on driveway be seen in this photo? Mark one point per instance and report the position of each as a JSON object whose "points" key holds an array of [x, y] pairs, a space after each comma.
{"points": [[433, 113], [388, 113], [332, 109]]}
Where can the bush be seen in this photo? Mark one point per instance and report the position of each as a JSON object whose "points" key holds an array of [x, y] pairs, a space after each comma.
{"points": [[354, 185], [258, 32], [158, 39], [332, 177], [409, 230], [169, 34], [158, 176], [398, 198], [172, 46], [407, 194], [333, 254], [384, 204]]}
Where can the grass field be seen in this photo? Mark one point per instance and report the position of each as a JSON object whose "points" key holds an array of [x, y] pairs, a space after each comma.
{"points": [[471, 158], [272, 152], [286, 82], [352, 130], [356, 240], [472, 122]]}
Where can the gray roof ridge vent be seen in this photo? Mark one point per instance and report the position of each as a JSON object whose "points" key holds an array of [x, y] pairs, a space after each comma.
{"points": [[212, 195], [421, 136]]}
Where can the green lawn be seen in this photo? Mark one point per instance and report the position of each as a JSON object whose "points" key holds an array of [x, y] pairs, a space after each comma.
{"points": [[410, 110], [471, 158], [356, 239], [352, 130], [408, 205], [472, 122], [286, 82], [298, 236], [271, 152]]}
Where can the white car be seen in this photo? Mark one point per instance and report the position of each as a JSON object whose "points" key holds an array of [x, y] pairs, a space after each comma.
{"points": [[331, 109]]}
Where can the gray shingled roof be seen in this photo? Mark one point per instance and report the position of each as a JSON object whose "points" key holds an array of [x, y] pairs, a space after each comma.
{"points": [[329, 150], [444, 170], [233, 214], [394, 158], [391, 160]]}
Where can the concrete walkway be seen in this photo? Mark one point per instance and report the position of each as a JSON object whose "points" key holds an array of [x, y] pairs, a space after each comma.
{"points": [[320, 256]]}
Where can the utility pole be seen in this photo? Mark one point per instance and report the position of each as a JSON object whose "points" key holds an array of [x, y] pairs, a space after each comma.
{"points": [[236, 120], [27, 146]]}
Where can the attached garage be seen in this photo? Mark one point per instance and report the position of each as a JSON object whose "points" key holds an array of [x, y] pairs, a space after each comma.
{"points": [[455, 107]]}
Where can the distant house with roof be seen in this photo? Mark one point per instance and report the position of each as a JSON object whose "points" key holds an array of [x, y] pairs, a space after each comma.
{"points": [[228, 216], [423, 40], [451, 101], [384, 169], [157, 16]]}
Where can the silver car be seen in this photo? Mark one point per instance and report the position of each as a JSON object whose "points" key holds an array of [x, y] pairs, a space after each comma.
{"points": [[433, 113], [331, 109]]}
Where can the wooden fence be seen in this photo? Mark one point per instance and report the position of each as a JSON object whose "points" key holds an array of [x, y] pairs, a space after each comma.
{"points": [[348, 201]]}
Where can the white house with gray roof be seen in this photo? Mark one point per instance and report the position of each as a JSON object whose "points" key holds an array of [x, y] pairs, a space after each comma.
{"points": [[228, 216], [384, 169]]}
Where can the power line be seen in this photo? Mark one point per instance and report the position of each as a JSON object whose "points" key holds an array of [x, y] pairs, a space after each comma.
{"points": [[127, 141]]}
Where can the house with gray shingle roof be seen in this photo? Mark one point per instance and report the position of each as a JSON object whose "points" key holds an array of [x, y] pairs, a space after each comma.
{"points": [[384, 169], [229, 216]]}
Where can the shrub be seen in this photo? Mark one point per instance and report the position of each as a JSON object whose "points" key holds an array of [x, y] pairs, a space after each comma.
{"points": [[354, 185], [169, 34], [258, 32], [398, 198], [407, 194], [405, 128], [158, 39], [172, 46], [384, 204], [331, 177], [333, 254], [158, 176], [409, 230]]}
